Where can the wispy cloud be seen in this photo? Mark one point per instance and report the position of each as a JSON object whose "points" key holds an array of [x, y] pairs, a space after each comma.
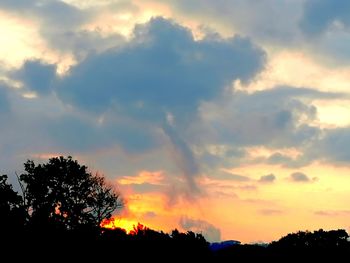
{"points": [[270, 212], [156, 178], [330, 213]]}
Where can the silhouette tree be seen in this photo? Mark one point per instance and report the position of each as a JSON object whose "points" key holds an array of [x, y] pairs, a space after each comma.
{"points": [[318, 239], [62, 194], [12, 214]]}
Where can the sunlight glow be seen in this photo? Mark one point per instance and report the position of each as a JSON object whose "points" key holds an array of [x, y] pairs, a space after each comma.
{"points": [[333, 114], [19, 37], [30, 95], [122, 223], [295, 68]]}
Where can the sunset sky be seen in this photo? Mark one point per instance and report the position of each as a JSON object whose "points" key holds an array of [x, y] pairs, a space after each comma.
{"points": [[227, 117]]}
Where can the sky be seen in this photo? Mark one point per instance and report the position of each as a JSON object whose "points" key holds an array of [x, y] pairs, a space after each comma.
{"points": [[230, 117]]}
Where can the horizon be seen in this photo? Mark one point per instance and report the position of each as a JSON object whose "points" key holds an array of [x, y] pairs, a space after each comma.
{"points": [[227, 118]]}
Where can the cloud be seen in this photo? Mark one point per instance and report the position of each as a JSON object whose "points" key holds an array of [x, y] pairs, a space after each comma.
{"points": [[139, 95], [320, 15], [276, 118], [331, 146], [295, 162], [292, 162], [72, 132], [270, 212], [36, 76], [63, 26], [300, 177], [270, 178], [161, 70], [145, 188], [279, 24], [184, 158], [144, 181], [53, 13], [327, 21], [83, 42], [4, 100], [31, 130], [332, 213], [229, 176], [150, 214], [264, 21], [209, 231], [248, 187], [155, 178]]}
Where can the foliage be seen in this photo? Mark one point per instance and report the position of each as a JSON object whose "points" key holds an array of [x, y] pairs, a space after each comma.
{"points": [[62, 194], [11, 209], [316, 239]]}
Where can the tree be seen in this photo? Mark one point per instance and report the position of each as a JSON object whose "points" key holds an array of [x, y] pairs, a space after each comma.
{"points": [[11, 209], [63, 194], [319, 239]]}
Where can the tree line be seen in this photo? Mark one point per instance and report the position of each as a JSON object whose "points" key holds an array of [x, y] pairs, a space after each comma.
{"points": [[60, 206], [60, 195]]}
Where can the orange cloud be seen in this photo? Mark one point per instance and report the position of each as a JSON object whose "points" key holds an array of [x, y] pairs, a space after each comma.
{"points": [[156, 178]]}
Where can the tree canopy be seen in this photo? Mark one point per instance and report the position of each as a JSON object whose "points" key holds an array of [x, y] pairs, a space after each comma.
{"points": [[63, 194], [11, 209], [317, 239]]}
